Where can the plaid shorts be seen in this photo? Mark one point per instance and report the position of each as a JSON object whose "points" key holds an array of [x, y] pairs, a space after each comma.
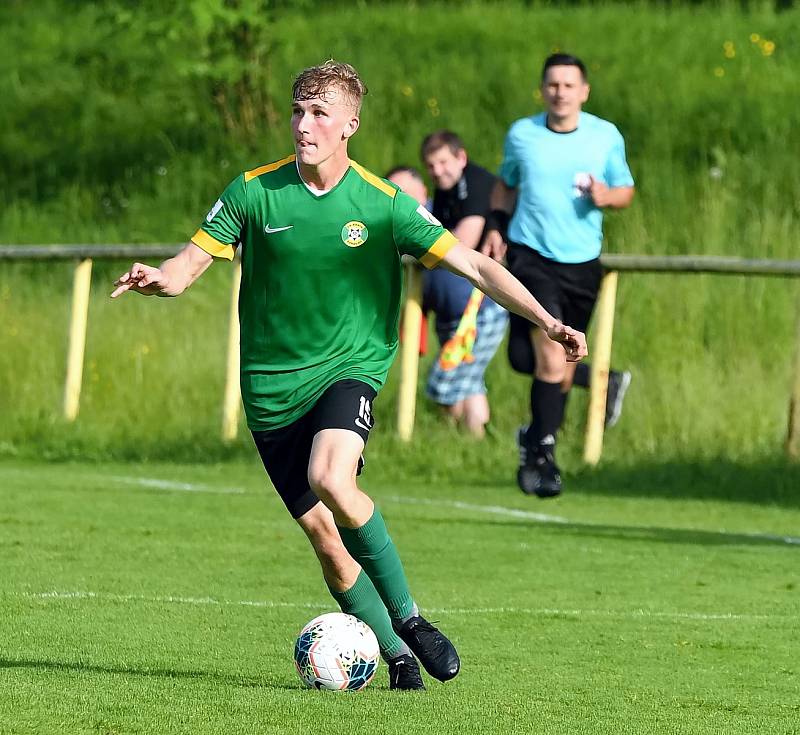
{"points": [[451, 386]]}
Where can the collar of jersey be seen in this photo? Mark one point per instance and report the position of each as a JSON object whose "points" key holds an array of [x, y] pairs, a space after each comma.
{"points": [[328, 192]]}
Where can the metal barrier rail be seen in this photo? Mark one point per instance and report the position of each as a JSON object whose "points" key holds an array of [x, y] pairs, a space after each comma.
{"points": [[604, 331], [629, 263], [412, 312]]}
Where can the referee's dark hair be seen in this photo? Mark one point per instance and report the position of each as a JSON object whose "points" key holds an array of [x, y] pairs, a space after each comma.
{"points": [[440, 139], [564, 60]]}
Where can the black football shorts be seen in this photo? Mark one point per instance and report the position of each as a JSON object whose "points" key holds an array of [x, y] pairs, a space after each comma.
{"points": [[567, 290], [285, 452]]}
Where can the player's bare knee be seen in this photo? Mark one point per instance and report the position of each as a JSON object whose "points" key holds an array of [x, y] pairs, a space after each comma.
{"points": [[331, 486]]}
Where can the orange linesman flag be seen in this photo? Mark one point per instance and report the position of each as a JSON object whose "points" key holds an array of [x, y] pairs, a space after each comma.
{"points": [[458, 348]]}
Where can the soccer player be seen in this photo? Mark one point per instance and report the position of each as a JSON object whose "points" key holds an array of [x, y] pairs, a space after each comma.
{"points": [[560, 169], [321, 241]]}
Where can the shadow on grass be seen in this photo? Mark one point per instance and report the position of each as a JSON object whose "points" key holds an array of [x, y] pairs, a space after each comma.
{"points": [[634, 533], [250, 682], [766, 482], [771, 481]]}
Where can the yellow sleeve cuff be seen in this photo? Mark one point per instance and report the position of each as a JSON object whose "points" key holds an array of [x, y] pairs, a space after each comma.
{"points": [[439, 249], [213, 247]]}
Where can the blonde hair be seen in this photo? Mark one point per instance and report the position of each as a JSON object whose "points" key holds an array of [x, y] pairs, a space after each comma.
{"points": [[317, 81]]}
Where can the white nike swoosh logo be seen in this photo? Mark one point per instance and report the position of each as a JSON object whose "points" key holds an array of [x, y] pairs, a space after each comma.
{"points": [[269, 230], [362, 425]]}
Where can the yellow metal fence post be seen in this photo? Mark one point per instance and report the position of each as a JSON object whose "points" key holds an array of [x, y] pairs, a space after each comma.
{"points": [[601, 362], [409, 352], [231, 400], [81, 285]]}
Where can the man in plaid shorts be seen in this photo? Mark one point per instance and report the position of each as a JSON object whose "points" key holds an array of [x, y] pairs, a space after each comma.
{"points": [[469, 325]]}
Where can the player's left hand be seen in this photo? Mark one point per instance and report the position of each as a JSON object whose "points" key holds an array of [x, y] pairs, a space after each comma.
{"points": [[573, 341], [599, 193]]}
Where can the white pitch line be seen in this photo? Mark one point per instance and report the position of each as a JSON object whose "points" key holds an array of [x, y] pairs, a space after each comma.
{"points": [[492, 509], [190, 487], [542, 518], [169, 599], [544, 611], [641, 613]]}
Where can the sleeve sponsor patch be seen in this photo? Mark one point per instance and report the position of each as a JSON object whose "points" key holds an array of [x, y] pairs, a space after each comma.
{"points": [[213, 211], [425, 214]]}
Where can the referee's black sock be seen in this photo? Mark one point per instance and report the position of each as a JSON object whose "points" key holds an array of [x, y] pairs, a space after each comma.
{"points": [[547, 410], [583, 375]]}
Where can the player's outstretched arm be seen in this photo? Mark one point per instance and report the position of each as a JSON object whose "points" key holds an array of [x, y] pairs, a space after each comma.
{"points": [[498, 284], [171, 278]]}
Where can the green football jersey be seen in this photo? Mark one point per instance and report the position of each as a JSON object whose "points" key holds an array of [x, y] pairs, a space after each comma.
{"points": [[321, 280]]}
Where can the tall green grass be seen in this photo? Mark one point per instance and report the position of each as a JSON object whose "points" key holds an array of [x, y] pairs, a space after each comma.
{"points": [[706, 99]]}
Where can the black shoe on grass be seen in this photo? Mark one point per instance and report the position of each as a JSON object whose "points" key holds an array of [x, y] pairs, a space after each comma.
{"points": [[404, 674], [548, 484], [538, 473], [433, 649]]}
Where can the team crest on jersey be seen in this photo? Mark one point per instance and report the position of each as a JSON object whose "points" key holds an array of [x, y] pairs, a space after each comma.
{"points": [[354, 233]]}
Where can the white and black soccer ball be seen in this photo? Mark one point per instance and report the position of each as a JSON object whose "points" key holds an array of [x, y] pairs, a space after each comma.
{"points": [[336, 651]]}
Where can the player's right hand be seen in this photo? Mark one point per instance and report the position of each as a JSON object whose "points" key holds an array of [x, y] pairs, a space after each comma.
{"points": [[494, 246], [143, 279]]}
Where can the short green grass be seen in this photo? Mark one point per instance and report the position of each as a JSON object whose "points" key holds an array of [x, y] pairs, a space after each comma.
{"points": [[159, 598]]}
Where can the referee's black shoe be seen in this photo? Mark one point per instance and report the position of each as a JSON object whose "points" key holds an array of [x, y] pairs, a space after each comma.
{"points": [[404, 674], [433, 649], [538, 473]]}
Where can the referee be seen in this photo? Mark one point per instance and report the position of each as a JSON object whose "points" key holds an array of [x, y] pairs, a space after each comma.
{"points": [[560, 169]]}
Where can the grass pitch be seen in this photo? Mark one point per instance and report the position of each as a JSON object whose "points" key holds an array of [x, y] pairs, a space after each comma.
{"points": [[166, 599]]}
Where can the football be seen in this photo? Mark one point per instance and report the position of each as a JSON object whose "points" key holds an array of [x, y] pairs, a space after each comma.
{"points": [[336, 651]]}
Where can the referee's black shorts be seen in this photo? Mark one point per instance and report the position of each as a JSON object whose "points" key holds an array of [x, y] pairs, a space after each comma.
{"points": [[285, 452], [567, 290]]}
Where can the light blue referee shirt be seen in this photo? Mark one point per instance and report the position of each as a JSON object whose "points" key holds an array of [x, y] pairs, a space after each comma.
{"points": [[555, 214]]}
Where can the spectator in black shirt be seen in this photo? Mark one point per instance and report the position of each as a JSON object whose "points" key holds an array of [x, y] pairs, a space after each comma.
{"points": [[469, 325]]}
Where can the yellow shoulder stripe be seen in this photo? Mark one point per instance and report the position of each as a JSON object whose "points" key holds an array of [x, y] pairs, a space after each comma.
{"points": [[269, 167], [212, 246], [439, 249], [371, 178]]}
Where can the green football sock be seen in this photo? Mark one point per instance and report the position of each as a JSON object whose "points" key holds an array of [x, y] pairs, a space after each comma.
{"points": [[363, 602], [371, 546]]}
